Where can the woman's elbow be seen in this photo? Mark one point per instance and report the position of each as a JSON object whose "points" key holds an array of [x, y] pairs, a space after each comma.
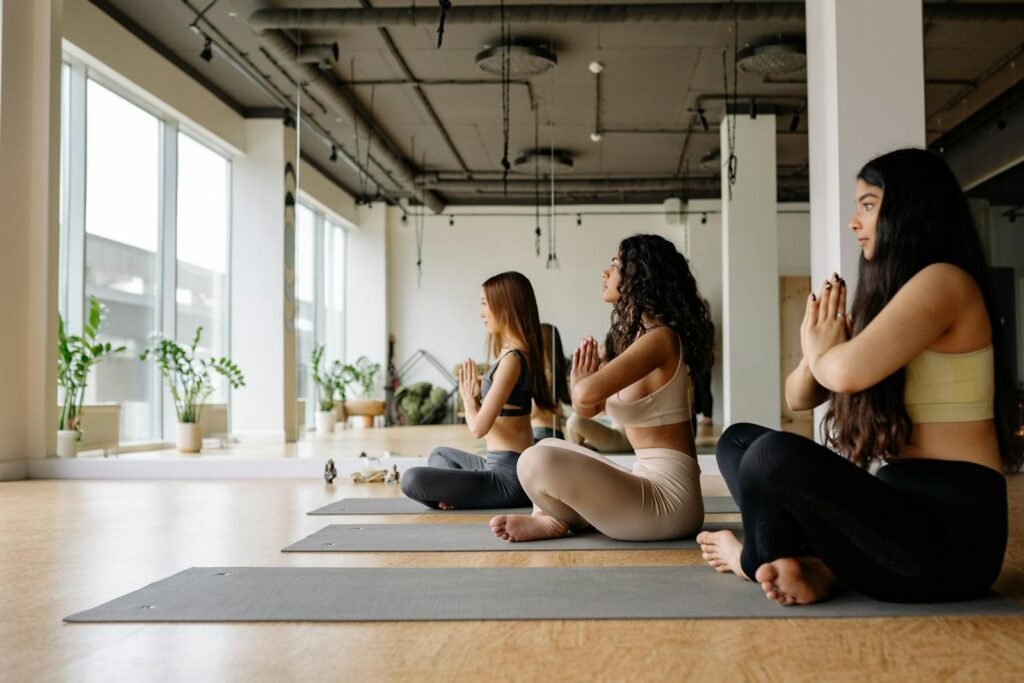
{"points": [[583, 396]]}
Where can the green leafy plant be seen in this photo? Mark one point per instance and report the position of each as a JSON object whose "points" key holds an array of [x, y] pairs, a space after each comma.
{"points": [[330, 383], [364, 373], [188, 377], [76, 356]]}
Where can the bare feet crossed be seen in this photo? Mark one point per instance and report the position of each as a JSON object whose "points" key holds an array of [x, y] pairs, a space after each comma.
{"points": [[796, 581], [518, 528], [722, 551], [445, 506]]}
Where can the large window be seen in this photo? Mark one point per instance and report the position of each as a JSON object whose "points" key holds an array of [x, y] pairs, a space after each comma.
{"points": [[145, 228], [203, 220], [319, 292], [122, 225]]}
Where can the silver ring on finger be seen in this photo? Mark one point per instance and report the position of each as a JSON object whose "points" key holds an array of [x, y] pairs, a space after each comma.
{"points": [[839, 316]]}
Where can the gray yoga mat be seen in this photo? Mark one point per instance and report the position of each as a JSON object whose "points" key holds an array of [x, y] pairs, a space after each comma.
{"points": [[413, 538], [407, 506], [208, 594]]}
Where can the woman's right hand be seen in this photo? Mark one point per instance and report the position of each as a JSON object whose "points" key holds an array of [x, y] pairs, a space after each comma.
{"points": [[585, 361], [469, 383]]}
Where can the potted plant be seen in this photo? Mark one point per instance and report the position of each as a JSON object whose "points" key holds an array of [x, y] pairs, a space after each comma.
{"points": [[330, 392], [190, 382], [364, 373], [76, 356]]}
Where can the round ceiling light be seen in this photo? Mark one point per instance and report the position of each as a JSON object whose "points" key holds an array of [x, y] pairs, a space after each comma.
{"points": [[543, 160], [773, 57], [524, 59]]}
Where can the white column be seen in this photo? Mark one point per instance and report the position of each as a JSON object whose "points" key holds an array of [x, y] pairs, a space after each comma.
{"points": [[366, 316], [263, 284], [865, 89], [30, 62], [750, 274]]}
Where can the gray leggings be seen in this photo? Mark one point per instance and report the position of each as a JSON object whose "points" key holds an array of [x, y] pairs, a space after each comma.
{"points": [[466, 481]]}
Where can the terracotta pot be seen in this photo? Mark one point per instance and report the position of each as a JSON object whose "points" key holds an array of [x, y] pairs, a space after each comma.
{"points": [[190, 437]]}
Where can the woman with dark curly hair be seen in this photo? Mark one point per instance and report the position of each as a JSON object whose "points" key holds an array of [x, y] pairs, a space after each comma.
{"points": [[662, 335], [916, 380]]}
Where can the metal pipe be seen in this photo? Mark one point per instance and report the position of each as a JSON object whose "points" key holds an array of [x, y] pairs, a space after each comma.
{"points": [[314, 54], [792, 12], [605, 185], [343, 101]]}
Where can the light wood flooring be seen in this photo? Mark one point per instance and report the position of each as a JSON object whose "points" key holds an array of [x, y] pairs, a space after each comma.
{"points": [[70, 545]]}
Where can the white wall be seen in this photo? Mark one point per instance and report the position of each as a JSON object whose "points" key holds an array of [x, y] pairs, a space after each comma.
{"points": [[29, 175], [316, 189], [442, 316], [368, 287]]}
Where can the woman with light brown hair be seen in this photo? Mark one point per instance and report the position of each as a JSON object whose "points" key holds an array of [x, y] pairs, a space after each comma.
{"points": [[497, 409]]}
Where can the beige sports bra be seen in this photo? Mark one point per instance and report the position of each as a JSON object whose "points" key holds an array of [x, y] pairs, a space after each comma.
{"points": [[667, 405], [950, 387]]}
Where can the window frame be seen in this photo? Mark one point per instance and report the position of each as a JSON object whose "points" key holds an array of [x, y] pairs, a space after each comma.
{"points": [[73, 229]]}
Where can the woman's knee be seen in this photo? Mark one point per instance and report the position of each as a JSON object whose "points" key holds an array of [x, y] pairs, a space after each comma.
{"points": [[539, 463], [437, 458], [772, 459], [411, 482]]}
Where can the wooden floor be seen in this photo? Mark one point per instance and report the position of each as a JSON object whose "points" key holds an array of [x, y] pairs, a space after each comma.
{"points": [[70, 545]]}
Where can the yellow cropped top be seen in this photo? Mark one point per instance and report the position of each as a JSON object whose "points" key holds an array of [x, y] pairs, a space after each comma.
{"points": [[951, 387]]}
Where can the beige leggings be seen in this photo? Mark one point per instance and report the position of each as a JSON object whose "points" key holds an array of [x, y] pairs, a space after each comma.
{"points": [[597, 434], [659, 499]]}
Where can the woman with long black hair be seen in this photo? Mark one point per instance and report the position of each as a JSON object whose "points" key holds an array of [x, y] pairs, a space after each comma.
{"points": [[916, 380], [662, 335], [547, 424]]}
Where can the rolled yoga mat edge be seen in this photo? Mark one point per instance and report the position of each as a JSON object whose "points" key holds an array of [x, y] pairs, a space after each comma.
{"points": [[313, 594]]}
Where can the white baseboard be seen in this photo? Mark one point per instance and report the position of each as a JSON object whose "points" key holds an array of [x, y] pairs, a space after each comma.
{"points": [[233, 467], [258, 436], [13, 470]]}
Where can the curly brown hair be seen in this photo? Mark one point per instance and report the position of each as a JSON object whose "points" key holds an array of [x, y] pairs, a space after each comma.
{"points": [[656, 280]]}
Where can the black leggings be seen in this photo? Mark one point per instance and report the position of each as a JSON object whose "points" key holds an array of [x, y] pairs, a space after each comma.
{"points": [[466, 481], [541, 433], [917, 531]]}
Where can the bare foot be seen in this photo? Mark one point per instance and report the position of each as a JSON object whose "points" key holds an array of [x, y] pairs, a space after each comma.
{"points": [[517, 528], [445, 506], [796, 581], [722, 551]]}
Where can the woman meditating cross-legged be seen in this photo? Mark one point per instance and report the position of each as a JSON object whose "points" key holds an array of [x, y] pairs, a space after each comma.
{"points": [[500, 412], [916, 379], [592, 433], [661, 332], [547, 424]]}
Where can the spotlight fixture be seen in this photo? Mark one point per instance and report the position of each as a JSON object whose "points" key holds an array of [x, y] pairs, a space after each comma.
{"points": [[1001, 124], [703, 119], [595, 137], [753, 108], [794, 124], [207, 54], [405, 218], [579, 219], [451, 221], [334, 153], [1013, 217], [288, 121], [703, 219]]}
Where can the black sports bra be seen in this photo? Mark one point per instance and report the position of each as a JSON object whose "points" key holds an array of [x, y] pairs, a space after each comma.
{"points": [[521, 394]]}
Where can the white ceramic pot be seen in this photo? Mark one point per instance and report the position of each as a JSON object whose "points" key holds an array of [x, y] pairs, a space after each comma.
{"points": [[190, 437], [67, 443], [325, 420]]}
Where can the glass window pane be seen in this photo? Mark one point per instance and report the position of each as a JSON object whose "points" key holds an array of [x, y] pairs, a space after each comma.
{"points": [[305, 277], [202, 248], [334, 290], [65, 137], [121, 221]]}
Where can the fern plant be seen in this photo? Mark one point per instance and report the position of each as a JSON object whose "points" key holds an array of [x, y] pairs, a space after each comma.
{"points": [[189, 378]]}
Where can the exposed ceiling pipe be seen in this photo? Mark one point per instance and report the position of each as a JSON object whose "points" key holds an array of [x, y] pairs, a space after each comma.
{"points": [[685, 185], [341, 99], [264, 19]]}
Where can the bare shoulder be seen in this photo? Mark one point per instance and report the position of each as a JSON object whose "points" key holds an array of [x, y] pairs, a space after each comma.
{"points": [[943, 278], [509, 363], [661, 339]]}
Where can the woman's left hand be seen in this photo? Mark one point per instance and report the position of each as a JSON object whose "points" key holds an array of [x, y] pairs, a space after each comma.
{"points": [[825, 321], [469, 383]]}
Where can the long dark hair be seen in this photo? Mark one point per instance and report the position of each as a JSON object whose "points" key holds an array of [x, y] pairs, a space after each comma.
{"points": [[656, 280], [554, 363], [923, 219], [511, 299]]}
